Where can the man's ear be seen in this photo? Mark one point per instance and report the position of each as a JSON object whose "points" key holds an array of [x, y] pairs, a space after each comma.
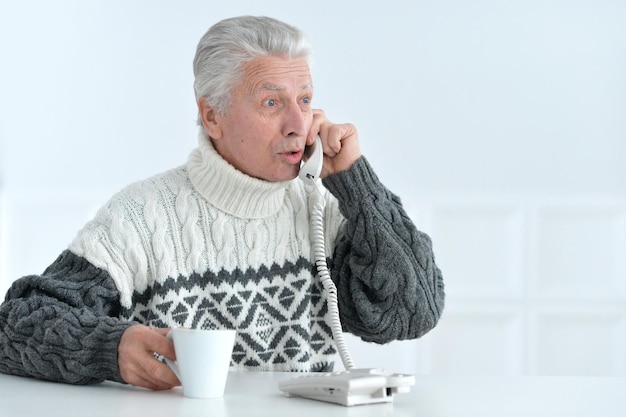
{"points": [[210, 119]]}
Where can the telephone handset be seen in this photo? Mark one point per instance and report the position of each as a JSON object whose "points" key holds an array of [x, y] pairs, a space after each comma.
{"points": [[352, 386], [312, 167]]}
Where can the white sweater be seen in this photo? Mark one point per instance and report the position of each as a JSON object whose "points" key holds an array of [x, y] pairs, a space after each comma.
{"points": [[206, 246]]}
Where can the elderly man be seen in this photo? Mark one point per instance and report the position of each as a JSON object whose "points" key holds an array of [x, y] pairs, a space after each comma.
{"points": [[223, 241]]}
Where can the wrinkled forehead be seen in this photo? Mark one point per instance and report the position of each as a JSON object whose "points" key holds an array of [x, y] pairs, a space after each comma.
{"points": [[276, 74]]}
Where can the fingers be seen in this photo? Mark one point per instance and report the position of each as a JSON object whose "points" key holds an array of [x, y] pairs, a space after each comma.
{"points": [[336, 134], [340, 143], [153, 375], [166, 346], [314, 130], [137, 363]]}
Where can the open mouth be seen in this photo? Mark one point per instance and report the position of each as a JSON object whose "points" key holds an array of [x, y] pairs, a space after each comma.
{"points": [[293, 157]]}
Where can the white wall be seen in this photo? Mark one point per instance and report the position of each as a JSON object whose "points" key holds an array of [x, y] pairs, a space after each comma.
{"points": [[501, 124]]}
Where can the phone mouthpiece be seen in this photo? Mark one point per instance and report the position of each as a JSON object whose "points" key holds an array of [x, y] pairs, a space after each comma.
{"points": [[311, 169]]}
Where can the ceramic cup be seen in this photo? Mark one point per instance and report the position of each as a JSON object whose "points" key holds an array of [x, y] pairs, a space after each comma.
{"points": [[202, 360]]}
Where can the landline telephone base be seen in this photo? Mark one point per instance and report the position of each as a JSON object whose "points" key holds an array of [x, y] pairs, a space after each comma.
{"points": [[352, 387]]}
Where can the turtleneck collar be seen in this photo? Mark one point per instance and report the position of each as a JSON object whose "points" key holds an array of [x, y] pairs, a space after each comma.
{"points": [[229, 189]]}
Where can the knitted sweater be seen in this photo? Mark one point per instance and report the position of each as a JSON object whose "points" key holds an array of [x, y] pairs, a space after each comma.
{"points": [[205, 246]]}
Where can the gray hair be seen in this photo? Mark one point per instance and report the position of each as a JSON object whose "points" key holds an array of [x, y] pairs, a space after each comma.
{"points": [[230, 43]]}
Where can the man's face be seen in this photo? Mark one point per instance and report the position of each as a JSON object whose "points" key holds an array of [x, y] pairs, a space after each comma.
{"points": [[264, 129]]}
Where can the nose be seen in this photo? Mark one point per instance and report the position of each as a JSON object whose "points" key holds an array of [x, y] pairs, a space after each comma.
{"points": [[295, 121]]}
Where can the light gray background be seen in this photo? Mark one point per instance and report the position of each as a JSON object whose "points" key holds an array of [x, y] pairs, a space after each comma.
{"points": [[475, 112], [449, 96]]}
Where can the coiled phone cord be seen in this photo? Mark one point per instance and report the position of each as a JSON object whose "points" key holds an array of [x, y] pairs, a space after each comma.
{"points": [[317, 228]]}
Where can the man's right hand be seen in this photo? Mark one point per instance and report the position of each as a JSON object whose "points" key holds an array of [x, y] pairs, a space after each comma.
{"points": [[136, 358]]}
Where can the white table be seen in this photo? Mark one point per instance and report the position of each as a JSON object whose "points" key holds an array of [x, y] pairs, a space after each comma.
{"points": [[256, 394]]}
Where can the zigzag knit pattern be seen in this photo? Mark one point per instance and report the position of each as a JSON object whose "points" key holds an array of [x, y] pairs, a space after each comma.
{"points": [[279, 312], [204, 246]]}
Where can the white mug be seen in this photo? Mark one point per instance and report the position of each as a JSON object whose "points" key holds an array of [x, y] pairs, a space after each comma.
{"points": [[202, 360]]}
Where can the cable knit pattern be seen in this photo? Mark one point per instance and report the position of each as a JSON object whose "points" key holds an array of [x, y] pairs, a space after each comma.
{"points": [[206, 246], [388, 283], [60, 326]]}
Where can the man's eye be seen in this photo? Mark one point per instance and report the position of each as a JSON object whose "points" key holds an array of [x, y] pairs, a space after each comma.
{"points": [[270, 102], [306, 100]]}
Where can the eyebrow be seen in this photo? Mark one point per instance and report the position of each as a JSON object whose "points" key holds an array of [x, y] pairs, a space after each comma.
{"points": [[274, 87]]}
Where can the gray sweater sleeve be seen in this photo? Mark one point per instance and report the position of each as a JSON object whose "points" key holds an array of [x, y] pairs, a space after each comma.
{"points": [[60, 325], [388, 284]]}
